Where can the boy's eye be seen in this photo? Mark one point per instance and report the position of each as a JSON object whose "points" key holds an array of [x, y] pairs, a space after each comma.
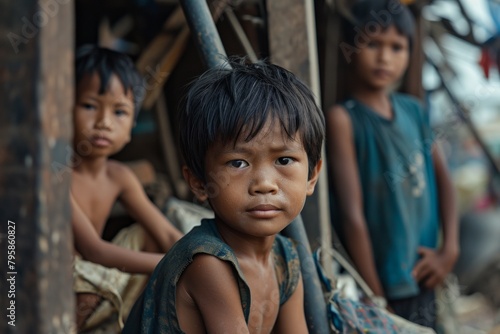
{"points": [[285, 161], [238, 163], [397, 47], [88, 106], [372, 44], [120, 112]]}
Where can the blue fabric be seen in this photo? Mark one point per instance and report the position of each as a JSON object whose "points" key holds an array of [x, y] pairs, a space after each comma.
{"points": [[155, 312], [398, 188], [349, 316]]}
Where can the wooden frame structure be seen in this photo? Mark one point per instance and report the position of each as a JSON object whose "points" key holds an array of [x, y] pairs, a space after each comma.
{"points": [[36, 74]]}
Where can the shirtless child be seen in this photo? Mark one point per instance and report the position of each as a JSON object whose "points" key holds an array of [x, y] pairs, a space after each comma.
{"points": [[251, 137], [108, 91]]}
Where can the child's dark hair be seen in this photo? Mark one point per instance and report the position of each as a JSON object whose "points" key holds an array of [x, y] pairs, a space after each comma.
{"points": [[371, 16], [226, 103], [105, 62]]}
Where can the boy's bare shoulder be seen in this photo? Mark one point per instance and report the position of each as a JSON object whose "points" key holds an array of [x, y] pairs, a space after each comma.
{"points": [[337, 116], [118, 171], [337, 108], [117, 168]]}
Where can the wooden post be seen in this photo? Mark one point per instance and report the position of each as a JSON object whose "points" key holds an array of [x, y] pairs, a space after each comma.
{"points": [[36, 76]]}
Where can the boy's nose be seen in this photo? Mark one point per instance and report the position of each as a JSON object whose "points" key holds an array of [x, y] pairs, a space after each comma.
{"points": [[384, 54], [263, 182], [103, 121]]}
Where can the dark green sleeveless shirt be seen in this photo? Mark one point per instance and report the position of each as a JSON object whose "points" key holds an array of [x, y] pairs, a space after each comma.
{"points": [[398, 187], [154, 311]]}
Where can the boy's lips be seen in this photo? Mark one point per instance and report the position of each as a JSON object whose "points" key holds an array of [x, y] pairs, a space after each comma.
{"points": [[100, 141], [382, 73], [264, 211]]}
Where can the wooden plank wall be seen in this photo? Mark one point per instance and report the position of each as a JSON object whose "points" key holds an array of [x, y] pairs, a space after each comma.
{"points": [[36, 76]]}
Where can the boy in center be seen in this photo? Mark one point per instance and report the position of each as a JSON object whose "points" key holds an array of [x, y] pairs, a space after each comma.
{"points": [[251, 137]]}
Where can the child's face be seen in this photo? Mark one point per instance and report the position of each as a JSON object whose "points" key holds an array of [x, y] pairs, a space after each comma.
{"points": [[383, 60], [258, 187], [102, 122]]}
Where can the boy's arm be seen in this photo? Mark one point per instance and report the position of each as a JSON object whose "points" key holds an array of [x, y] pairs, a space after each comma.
{"points": [[144, 211], [94, 249], [347, 188], [212, 285], [291, 316], [435, 265]]}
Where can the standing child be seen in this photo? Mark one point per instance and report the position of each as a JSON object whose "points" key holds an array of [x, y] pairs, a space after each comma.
{"points": [[108, 94], [251, 137], [391, 187]]}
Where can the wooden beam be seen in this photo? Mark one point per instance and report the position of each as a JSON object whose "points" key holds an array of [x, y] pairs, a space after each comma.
{"points": [[331, 56], [36, 76], [162, 42], [165, 67], [168, 148], [240, 33], [292, 39], [163, 53]]}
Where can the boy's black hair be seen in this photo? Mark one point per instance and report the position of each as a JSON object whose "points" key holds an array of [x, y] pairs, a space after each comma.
{"points": [[371, 15], [226, 103], [105, 62]]}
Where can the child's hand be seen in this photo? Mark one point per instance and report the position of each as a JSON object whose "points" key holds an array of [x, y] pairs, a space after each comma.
{"points": [[432, 268]]}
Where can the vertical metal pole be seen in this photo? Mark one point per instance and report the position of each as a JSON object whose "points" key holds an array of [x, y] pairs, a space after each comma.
{"points": [[203, 29], [314, 300]]}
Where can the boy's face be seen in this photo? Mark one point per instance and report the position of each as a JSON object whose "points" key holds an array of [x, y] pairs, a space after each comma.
{"points": [[258, 187], [102, 122], [383, 60]]}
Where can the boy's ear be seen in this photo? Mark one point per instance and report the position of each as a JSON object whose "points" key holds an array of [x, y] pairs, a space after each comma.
{"points": [[311, 183], [195, 184]]}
